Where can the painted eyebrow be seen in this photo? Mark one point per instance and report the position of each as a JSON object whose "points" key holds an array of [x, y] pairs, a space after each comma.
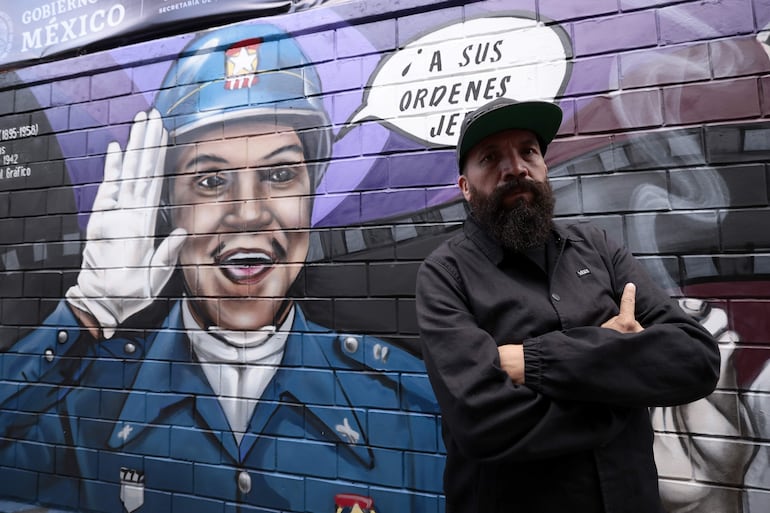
{"points": [[203, 159], [289, 148], [206, 158]]}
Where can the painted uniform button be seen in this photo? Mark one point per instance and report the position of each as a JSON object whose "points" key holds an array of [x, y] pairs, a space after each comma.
{"points": [[49, 355], [244, 481], [129, 348], [350, 344], [62, 336], [555, 297]]}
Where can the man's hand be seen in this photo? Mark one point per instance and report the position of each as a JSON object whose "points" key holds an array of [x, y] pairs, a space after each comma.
{"points": [[625, 321], [122, 270], [512, 355], [512, 361]]}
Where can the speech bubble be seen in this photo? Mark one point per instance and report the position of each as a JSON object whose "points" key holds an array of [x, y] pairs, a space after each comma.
{"points": [[425, 89]]}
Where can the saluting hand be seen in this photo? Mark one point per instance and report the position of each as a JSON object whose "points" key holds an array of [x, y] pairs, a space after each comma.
{"points": [[123, 271], [625, 321]]}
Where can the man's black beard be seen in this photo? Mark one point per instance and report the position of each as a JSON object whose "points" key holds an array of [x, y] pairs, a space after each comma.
{"points": [[523, 226]]}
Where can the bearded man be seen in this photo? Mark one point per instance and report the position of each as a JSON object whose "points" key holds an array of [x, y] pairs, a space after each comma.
{"points": [[545, 344]]}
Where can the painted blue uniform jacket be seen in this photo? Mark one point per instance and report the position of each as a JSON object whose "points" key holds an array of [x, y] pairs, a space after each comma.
{"points": [[132, 423]]}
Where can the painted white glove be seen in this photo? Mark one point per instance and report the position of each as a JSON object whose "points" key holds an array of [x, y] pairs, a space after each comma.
{"points": [[122, 270], [690, 439]]}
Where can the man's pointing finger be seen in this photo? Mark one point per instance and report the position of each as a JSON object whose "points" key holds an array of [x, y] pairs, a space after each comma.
{"points": [[628, 301]]}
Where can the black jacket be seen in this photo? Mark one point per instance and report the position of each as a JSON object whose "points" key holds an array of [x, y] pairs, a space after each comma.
{"points": [[577, 436]]}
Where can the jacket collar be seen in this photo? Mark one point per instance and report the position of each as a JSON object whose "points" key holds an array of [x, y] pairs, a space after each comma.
{"points": [[492, 249], [171, 347]]}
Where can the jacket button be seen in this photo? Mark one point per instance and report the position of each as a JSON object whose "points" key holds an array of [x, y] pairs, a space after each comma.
{"points": [[350, 344], [244, 481], [129, 348], [48, 355], [555, 297], [62, 337]]}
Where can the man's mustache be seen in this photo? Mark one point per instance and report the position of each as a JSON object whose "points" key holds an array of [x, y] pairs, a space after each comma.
{"points": [[516, 185]]}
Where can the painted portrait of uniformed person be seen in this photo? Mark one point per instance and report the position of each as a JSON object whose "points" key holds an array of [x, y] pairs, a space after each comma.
{"points": [[233, 397]]}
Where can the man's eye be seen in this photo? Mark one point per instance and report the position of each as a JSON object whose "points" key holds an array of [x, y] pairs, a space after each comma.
{"points": [[487, 158], [532, 150], [211, 182]]}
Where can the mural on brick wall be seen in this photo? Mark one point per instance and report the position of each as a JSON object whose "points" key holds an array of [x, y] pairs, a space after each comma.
{"points": [[209, 245], [208, 204]]}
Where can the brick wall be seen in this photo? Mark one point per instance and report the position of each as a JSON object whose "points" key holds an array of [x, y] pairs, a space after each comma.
{"points": [[664, 144]]}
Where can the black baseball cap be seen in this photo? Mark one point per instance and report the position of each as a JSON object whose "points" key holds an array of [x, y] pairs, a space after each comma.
{"points": [[542, 118]]}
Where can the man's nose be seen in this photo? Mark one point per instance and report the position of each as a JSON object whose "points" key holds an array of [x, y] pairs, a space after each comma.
{"points": [[513, 166]]}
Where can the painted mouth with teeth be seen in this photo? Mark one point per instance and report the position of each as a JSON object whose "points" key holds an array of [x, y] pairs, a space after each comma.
{"points": [[245, 266]]}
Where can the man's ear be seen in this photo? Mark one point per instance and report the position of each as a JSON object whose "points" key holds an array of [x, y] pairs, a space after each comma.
{"points": [[462, 183]]}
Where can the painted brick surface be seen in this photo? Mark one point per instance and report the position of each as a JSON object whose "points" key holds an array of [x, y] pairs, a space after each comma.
{"points": [[739, 231], [737, 56], [632, 31], [635, 109], [736, 99], [595, 75], [692, 21], [664, 145], [582, 10], [615, 193], [665, 65], [745, 183]]}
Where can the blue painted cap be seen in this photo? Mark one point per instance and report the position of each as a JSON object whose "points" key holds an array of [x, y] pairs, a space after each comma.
{"points": [[243, 72]]}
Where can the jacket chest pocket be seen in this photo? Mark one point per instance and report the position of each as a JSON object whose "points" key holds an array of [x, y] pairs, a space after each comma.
{"points": [[582, 294]]}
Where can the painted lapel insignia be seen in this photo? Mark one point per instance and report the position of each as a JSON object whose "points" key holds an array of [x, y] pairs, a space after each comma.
{"points": [[125, 432], [347, 432], [131, 489], [353, 503]]}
